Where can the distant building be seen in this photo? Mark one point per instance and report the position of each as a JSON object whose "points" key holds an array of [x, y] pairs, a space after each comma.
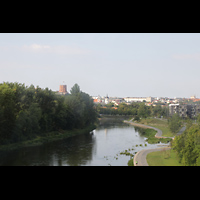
{"points": [[63, 89], [117, 101], [97, 99], [193, 97], [106, 99], [195, 100], [184, 110], [195, 110], [181, 110], [138, 99]]}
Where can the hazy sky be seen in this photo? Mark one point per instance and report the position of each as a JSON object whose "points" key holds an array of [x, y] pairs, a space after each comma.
{"points": [[122, 65]]}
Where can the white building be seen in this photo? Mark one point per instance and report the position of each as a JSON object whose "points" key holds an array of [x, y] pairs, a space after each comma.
{"points": [[106, 99], [138, 99]]}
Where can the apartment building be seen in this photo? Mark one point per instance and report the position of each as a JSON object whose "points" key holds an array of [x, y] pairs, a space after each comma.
{"points": [[184, 110], [195, 110]]}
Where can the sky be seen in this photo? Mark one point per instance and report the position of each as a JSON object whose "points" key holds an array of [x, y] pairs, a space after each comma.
{"points": [[117, 64]]}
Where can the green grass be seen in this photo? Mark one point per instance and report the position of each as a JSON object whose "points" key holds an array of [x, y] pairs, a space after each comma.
{"points": [[150, 134], [163, 158], [158, 123]]}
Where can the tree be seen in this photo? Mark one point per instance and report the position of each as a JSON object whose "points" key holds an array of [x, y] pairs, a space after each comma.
{"points": [[187, 146], [157, 111], [143, 111], [46, 101], [27, 112], [64, 116], [188, 123], [191, 147], [34, 114], [7, 113], [198, 119], [178, 145], [75, 90], [136, 118], [174, 123]]}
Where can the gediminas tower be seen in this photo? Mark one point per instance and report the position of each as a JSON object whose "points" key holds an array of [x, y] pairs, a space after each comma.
{"points": [[63, 89]]}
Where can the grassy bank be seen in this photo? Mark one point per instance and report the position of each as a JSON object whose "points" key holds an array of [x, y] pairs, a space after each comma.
{"points": [[150, 135], [49, 137], [163, 158], [158, 123]]}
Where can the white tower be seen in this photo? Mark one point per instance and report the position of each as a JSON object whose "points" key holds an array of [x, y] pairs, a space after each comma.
{"points": [[106, 99]]}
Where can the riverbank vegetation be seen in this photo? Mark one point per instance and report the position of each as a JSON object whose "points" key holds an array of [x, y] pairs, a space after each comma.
{"points": [[164, 125], [137, 109], [175, 123], [185, 149], [156, 116], [150, 135], [50, 137], [28, 113], [187, 145]]}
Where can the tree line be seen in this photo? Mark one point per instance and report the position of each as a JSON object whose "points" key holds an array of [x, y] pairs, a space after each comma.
{"points": [[137, 109], [187, 145], [28, 112]]}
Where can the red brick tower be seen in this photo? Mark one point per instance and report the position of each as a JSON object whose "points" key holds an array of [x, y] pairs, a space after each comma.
{"points": [[63, 89]]}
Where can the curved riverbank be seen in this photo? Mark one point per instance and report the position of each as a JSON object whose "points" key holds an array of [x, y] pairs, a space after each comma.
{"points": [[101, 147], [52, 136], [140, 157], [158, 134]]}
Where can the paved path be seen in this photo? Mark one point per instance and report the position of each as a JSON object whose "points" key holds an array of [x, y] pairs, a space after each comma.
{"points": [[140, 156], [158, 134]]}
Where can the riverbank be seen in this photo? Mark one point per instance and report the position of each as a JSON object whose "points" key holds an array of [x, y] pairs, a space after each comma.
{"points": [[154, 135], [161, 124], [50, 137], [141, 157]]}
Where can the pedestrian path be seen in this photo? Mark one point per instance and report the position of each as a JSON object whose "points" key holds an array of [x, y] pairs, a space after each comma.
{"points": [[158, 134], [140, 156]]}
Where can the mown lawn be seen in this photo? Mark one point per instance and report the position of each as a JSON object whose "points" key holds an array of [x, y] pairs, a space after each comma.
{"points": [[163, 158]]}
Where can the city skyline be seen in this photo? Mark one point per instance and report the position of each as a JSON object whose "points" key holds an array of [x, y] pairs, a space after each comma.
{"points": [[117, 64]]}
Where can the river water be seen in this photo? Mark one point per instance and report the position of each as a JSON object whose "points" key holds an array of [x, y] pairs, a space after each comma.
{"points": [[101, 147]]}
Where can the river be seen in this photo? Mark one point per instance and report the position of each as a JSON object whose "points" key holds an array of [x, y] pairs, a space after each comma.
{"points": [[101, 147]]}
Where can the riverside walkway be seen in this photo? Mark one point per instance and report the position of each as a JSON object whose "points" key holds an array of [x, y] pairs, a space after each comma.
{"points": [[158, 134], [140, 156]]}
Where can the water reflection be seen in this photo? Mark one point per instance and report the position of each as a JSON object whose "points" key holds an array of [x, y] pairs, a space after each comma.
{"points": [[72, 151], [79, 149], [106, 130], [100, 147]]}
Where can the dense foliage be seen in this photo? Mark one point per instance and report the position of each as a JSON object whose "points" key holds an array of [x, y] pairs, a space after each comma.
{"points": [[27, 112], [174, 123], [137, 109], [187, 145]]}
